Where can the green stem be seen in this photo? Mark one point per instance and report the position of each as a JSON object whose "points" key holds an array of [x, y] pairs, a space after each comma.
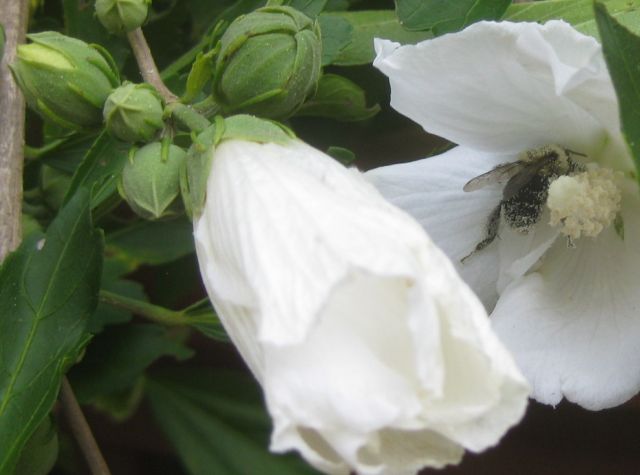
{"points": [[187, 117], [207, 107], [147, 65], [147, 310]]}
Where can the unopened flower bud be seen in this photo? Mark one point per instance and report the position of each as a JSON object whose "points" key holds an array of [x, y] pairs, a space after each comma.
{"points": [[151, 180], [64, 79], [121, 16], [133, 112], [269, 62]]}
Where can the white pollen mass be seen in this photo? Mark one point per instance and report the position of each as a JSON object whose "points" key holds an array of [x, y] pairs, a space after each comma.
{"points": [[584, 204]]}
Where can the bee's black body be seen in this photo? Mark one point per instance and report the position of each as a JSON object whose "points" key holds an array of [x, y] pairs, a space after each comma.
{"points": [[526, 188]]}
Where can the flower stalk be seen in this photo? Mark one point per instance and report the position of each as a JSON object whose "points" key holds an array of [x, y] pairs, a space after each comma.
{"points": [[155, 313], [147, 65]]}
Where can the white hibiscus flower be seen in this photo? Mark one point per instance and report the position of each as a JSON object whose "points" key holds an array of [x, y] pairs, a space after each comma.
{"points": [[564, 295], [374, 356]]}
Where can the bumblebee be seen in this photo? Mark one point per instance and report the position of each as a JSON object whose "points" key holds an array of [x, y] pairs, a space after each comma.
{"points": [[526, 186]]}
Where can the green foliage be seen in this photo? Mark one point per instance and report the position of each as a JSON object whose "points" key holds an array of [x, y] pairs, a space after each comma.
{"points": [[338, 98], [100, 168], [336, 35], [621, 50], [367, 25], [40, 452], [217, 423], [48, 290], [152, 242], [579, 13], [444, 16], [118, 357]]}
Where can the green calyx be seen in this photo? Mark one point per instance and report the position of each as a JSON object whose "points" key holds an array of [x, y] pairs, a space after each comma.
{"points": [[198, 162], [122, 16], [133, 113], [269, 62], [150, 180], [64, 79]]}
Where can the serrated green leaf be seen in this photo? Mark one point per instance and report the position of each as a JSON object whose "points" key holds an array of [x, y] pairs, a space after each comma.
{"points": [[336, 35], [621, 50], [48, 289], [340, 99], [577, 12], [444, 16], [217, 423], [367, 25], [100, 168], [119, 356]]}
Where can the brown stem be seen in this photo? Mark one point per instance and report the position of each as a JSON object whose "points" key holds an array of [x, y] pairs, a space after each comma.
{"points": [[147, 65], [81, 430], [14, 15]]}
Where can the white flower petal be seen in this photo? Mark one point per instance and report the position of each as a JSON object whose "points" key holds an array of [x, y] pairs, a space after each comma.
{"points": [[373, 354], [505, 87], [519, 253], [573, 326], [430, 190]]}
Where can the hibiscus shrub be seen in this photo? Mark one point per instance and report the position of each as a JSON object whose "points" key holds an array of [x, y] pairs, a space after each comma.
{"points": [[198, 267]]}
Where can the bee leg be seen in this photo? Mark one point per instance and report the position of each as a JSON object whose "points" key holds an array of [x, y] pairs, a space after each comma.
{"points": [[492, 231]]}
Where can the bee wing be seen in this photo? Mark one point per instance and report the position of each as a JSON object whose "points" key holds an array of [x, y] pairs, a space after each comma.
{"points": [[500, 174], [524, 176]]}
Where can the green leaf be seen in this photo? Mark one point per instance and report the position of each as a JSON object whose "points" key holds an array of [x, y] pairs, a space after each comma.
{"points": [[367, 25], [336, 35], [217, 423], [101, 167], [444, 16], [310, 8], [152, 242], [112, 281], [48, 289], [579, 13], [67, 154], [40, 453], [338, 98], [201, 72], [203, 318], [621, 50], [119, 356]]}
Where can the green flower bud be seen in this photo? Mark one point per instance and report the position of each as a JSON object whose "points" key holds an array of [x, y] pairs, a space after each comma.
{"points": [[151, 182], [65, 79], [121, 16], [269, 62], [133, 112]]}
